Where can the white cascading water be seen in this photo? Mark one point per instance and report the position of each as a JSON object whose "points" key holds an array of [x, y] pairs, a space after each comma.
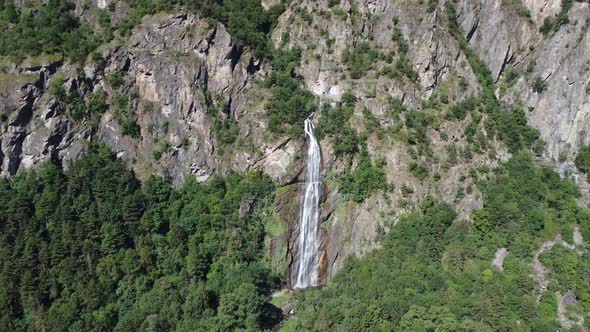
{"points": [[309, 239]]}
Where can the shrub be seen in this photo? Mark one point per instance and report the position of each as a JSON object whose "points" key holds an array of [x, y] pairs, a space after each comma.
{"points": [[419, 171], [130, 127], [115, 80], [333, 123], [513, 129], [332, 3], [539, 85], [553, 24], [78, 109], [226, 131], [460, 109], [249, 22], [289, 106], [359, 59], [125, 117], [404, 66], [582, 160], [57, 90], [562, 17], [290, 103], [431, 7], [367, 177], [97, 103], [549, 24], [511, 75], [349, 98], [417, 124], [452, 154], [371, 122]]}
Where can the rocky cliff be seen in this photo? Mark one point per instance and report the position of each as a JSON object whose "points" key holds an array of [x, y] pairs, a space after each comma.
{"points": [[190, 85]]}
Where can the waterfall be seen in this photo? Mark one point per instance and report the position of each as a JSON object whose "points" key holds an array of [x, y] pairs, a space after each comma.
{"points": [[309, 228]]}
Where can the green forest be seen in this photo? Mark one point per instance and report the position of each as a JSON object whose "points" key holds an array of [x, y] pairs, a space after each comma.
{"points": [[94, 249]]}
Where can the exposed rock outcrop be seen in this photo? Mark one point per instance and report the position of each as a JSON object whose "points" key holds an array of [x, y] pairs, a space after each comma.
{"points": [[498, 261], [177, 67], [502, 37], [185, 75]]}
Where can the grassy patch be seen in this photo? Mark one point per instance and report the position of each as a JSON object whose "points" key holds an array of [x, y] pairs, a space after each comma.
{"points": [[9, 82]]}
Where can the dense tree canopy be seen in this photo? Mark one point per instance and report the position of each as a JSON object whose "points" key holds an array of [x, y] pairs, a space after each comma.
{"points": [[95, 249], [53, 28]]}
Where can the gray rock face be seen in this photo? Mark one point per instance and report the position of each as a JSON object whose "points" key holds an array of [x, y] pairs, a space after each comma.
{"points": [[496, 31], [542, 8], [349, 228], [561, 111], [561, 61], [30, 131], [185, 76], [498, 261], [176, 68]]}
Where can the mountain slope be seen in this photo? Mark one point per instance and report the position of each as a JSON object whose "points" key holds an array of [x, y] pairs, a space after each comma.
{"points": [[412, 101]]}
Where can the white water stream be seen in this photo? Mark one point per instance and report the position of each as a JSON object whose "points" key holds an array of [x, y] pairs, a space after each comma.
{"points": [[309, 228]]}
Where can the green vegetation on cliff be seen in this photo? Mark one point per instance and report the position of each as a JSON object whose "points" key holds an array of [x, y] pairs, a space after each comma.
{"points": [[246, 20], [53, 27], [553, 24], [93, 249], [333, 124], [367, 177], [290, 103], [435, 272], [582, 160], [510, 126]]}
